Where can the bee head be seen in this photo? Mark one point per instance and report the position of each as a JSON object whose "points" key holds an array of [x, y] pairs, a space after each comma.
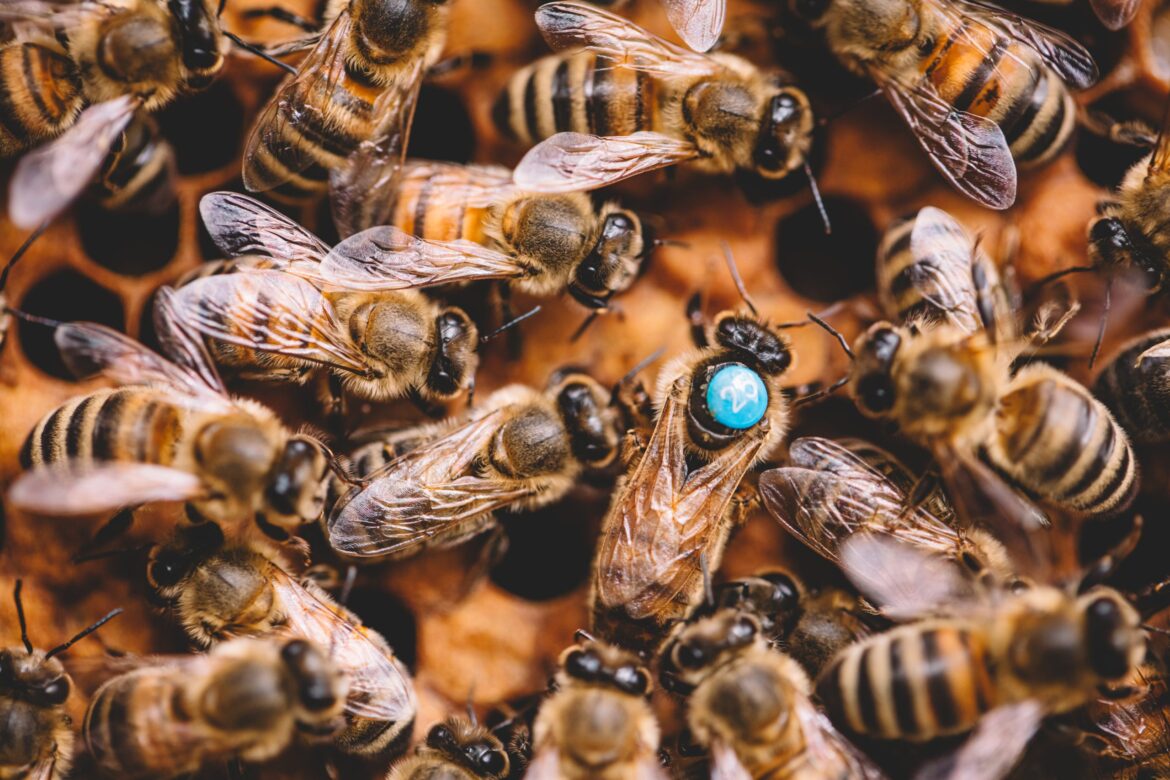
{"points": [[785, 134], [593, 663], [33, 678], [590, 421], [775, 598], [456, 358], [295, 494], [471, 746], [614, 262], [200, 39], [871, 380], [706, 643], [1114, 641]]}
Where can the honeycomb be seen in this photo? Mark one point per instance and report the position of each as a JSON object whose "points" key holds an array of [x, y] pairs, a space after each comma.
{"points": [[502, 640]]}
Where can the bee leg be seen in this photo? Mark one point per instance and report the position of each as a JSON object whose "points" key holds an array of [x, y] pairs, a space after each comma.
{"points": [[113, 528], [335, 406], [282, 15], [924, 485], [1109, 561]]}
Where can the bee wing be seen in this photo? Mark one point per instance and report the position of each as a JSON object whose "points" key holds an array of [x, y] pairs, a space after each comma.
{"points": [[43, 769], [568, 25], [50, 177], [942, 275], [904, 581], [1068, 58], [661, 520], [272, 311], [993, 749], [1115, 14], [570, 162], [829, 494], [422, 493], [476, 186], [828, 748], [50, 14], [725, 764], [288, 115], [240, 225], [698, 22], [387, 258], [969, 151], [84, 488], [379, 685], [183, 345], [1159, 352], [545, 764]]}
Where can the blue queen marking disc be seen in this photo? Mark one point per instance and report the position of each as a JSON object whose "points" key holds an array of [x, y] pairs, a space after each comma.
{"points": [[736, 397]]}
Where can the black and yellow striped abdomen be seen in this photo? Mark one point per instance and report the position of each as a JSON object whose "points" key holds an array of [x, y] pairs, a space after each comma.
{"points": [[134, 424], [1059, 443], [130, 724], [427, 209], [977, 69], [916, 682], [1138, 394], [40, 96], [577, 92]]}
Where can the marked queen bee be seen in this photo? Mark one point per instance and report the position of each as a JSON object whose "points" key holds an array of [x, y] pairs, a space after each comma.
{"points": [[983, 89]]}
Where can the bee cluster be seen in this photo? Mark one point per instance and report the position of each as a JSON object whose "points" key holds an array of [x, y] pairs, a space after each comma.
{"points": [[349, 431]]}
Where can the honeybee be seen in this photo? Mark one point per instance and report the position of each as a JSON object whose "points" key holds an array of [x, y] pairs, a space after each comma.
{"points": [[995, 661], [1133, 385], [648, 104], [597, 722], [172, 434], [78, 77], [37, 739], [982, 89], [187, 575], [343, 120], [751, 704], [720, 411], [455, 749], [545, 243], [140, 172], [267, 321], [247, 700], [522, 449]]}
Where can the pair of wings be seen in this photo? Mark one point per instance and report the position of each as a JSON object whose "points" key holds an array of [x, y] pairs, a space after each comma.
{"points": [[663, 520], [429, 490], [188, 380], [570, 162], [698, 22]]}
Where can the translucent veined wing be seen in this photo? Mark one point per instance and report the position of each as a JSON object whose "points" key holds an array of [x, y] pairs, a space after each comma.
{"points": [[662, 520], [941, 273], [387, 258], [50, 177], [181, 344], [52, 15], [568, 25], [241, 225], [725, 764], [271, 311], [993, 748], [828, 748], [571, 162], [84, 488], [1115, 14], [698, 22]]}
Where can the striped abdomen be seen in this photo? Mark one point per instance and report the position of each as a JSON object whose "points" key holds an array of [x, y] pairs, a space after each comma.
{"points": [[978, 70], [40, 96], [429, 210], [578, 92], [129, 424], [1059, 443], [915, 682], [1138, 394], [140, 174], [132, 730]]}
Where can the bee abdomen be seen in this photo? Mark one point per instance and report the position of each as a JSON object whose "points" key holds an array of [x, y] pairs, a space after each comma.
{"points": [[1138, 394], [915, 682], [140, 175], [422, 209], [122, 743], [904, 278], [40, 95]]}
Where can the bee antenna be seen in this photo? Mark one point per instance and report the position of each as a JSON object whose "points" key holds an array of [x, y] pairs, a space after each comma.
{"points": [[259, 52], [834, 333], [640, 367], [1044, 281], [834, 117], [20, 616], [816, 193], [671, 242], [582, 635], [21, 250], [1155, 629], [471, 716], [96, 556], [735, 277], [807, 399], [83, 633], [219, 11], [1104, 322], [509, 324], [584, 326]]}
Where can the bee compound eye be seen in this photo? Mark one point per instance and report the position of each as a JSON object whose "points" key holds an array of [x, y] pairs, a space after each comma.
{"points": [[56, 691], [736, 397], [493, 762], [876, 392]]}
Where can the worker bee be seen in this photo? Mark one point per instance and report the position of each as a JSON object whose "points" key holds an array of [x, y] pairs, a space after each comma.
{"points": [[1133, 386], [751, 705], [648, 104], [982, 89], [545, 243], [267, 320], [78, 79], [37, 739], [720, 411], [172, 434], [456, 749], [187, 575], [996, 661], [597, 722], [342, 121], [522, 449], [247, 700]]}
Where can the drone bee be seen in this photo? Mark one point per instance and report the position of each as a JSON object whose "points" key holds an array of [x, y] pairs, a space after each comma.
{"points": [[247, 699], [597, 724], [982, 89], [37, 739], [751, 705], [1133, 386], [523, 449], [455, 750], [187, 575], [994, 661], [650, 104], [86, 71], [270, 315], [171, 434], [721, 411]]}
